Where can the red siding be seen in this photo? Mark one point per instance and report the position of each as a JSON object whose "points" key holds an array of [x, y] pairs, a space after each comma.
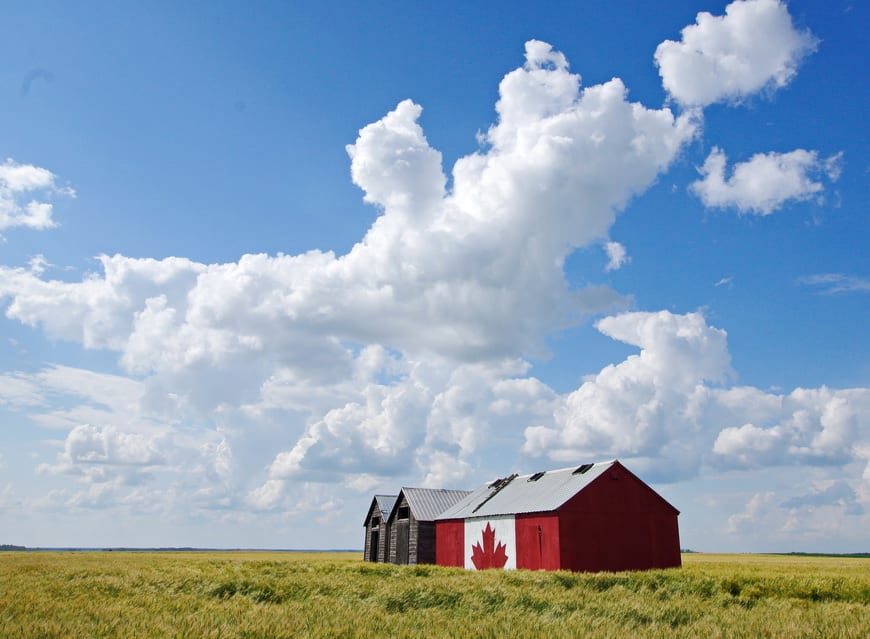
{"points": [[618, 523], [450, 542], [538, 541]]}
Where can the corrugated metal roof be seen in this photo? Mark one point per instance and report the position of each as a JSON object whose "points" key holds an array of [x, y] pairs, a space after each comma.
{"points": [[520, 495], [428, 503], [386, 503]]}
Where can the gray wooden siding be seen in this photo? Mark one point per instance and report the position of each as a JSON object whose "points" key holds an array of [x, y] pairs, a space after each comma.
{"points": [[383, 535]]}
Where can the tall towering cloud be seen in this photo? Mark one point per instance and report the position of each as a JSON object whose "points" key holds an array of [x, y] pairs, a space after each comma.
{"points": [[385, 359], [560, 163]]}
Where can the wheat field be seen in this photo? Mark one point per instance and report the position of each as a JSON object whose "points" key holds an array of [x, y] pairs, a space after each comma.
{"points": [[258, 594]]}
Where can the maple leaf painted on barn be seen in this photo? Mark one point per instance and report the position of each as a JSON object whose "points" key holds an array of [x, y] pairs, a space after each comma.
{"points": [[490, 555]]}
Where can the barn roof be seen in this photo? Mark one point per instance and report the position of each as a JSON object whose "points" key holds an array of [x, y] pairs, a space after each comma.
{"points": [[534, 493], [428, 503], [384, 503]]}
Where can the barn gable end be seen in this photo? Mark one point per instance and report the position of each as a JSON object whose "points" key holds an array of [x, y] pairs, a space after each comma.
{"points": [[618, 523], [377, 537]]}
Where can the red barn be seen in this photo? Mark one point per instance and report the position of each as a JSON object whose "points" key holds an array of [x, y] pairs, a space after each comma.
{"points": [[587, 518]]}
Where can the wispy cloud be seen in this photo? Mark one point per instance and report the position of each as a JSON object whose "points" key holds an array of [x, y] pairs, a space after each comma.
{"points": [[830, 283], [617, 256]]}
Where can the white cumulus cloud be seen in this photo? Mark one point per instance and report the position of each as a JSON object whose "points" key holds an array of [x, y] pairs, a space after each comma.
{"points": [[764, 183], [754, 46], [643, 407], [23, 187], [818, 425], [431, 422], [560, 164], [670, 409], [380, 355], [268, 382]]}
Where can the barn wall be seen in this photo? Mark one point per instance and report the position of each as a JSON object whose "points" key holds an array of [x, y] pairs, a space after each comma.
{"points": [[537, 544], [450, 542], [400, 529], [384, 551], [383, 539], [367, 544], [367, 547], [413, 540], [425, 542], [401, 551], [392, 556], [618, 523]]}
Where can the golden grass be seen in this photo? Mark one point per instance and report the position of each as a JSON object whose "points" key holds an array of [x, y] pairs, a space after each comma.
{"points": [[242, 594]]}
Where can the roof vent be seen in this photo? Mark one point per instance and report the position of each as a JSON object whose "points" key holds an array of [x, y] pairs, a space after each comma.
{"points": [[536, 476], [497, 485], [582, 469]]}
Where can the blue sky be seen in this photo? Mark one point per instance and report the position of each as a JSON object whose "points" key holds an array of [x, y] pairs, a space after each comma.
{"points": [[259, 264]]}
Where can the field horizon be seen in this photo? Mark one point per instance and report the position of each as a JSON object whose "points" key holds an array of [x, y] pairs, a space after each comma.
{"points": [[198, 549], [336, 594]]}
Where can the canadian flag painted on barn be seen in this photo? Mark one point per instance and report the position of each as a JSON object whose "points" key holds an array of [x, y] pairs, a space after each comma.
{"points": [[490, 543], [585, 518]]}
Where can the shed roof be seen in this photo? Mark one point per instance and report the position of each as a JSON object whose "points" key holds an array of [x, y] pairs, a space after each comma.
{"points": [[534, 493], [384, 503], [427, 503]]}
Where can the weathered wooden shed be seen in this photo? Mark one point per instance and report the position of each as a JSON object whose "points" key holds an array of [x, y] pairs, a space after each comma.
{"points": [[377, 544], [412, 523], [586, 518]]}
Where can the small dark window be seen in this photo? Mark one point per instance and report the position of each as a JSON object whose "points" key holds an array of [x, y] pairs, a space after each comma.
{"points": [[582, 469], [404, 512], [376, 522], [537, 476]]}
